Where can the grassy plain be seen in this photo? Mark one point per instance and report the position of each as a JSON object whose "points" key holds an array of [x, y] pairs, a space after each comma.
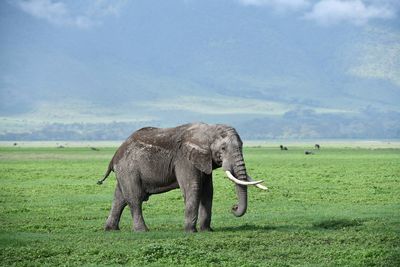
{"points": [[340, 206]]}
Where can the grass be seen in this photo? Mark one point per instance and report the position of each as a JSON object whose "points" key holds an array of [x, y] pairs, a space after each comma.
{"points": [[340, 206]]}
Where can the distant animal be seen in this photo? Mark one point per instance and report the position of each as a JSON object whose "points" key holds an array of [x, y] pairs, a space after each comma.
{"points": [[156, 160], [283, 147], [94, 148], [308, 152], [60, 146], [15, 144], [317, 146]]}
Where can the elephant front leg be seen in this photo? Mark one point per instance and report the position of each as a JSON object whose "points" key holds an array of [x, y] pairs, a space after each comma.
{"points": [[191, 195], [192, 201], [189, 180], [206, 198]]}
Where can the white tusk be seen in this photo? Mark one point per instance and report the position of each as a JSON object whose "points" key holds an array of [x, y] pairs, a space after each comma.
{"points": [[258, 185], [234, 179], [262, 187]]}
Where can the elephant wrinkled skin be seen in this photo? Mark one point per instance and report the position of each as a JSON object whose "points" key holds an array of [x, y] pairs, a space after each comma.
{"points": [[155, 160]]}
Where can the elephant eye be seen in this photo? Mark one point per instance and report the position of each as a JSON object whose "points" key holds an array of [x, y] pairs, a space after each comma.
{"points": [[222, 148]]}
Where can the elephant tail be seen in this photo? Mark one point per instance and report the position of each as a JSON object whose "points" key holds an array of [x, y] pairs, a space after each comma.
{"points": [[110, 168]]}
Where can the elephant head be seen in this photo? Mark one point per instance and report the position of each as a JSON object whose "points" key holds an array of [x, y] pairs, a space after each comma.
{"points": [[212, 146]]}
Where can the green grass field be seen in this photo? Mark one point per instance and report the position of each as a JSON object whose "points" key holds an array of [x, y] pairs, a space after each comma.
{"points": [[338, 207]]}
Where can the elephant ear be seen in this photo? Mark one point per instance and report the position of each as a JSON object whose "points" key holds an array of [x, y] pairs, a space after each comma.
{"points": [[199, 153]]}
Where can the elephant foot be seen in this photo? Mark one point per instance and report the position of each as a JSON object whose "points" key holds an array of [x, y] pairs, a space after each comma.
{"points": [[190, 229], [111, 224], [111, 228], [141, 229], [206, 229]]}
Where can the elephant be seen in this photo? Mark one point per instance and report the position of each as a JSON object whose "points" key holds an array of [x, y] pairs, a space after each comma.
{"points": [[156, 160]]}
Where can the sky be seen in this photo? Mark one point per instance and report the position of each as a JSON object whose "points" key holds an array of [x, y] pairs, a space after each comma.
{"points": [[178, 61]]}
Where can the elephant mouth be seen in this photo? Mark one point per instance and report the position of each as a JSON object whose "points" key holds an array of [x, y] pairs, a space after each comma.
{"points": [[219, 159], [249, 181]]}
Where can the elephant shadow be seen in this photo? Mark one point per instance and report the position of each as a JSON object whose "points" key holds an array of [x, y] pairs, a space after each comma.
{"points": [[329, 224], [253, 227], [337, 224]]}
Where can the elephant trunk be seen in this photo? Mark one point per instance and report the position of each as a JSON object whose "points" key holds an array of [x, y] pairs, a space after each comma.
{"points": [[239, 170]]}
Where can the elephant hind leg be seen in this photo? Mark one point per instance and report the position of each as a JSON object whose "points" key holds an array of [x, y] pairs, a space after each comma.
{"points": [[134, 195], [118, 206], [138, 221]]}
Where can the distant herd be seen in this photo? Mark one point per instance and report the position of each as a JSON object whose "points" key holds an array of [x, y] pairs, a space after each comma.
{"points": [[307, 152]]}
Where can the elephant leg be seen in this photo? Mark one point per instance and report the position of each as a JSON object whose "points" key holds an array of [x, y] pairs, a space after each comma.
{"points": [[206, 198], [137, 216], [134, 195], [190, 184], [192, 201], [117, 207]]}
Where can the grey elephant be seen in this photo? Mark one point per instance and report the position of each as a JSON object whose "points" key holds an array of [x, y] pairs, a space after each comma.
{"points": [[156, 160]]}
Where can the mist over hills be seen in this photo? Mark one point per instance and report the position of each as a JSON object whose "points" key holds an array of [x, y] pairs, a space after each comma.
{"points": [[270, 71]]}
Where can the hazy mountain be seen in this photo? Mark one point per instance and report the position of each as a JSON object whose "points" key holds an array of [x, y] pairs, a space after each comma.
{"points": [[82, 70]]}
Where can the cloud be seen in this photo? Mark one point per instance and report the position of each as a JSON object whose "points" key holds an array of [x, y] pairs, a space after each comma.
{"points": [[279, 5], [219, 105], [330, 12], [102, 8], [223, 105], [71, 110], [378, 56], [58, 13]]}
